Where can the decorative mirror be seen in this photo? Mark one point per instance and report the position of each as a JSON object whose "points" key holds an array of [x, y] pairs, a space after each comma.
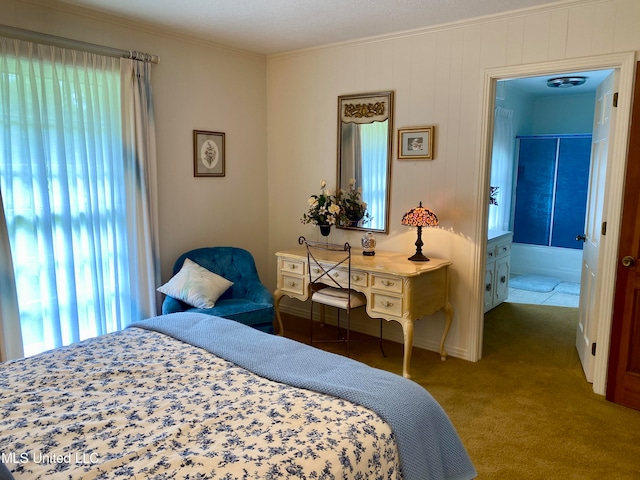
{"points": [[365, 137]]}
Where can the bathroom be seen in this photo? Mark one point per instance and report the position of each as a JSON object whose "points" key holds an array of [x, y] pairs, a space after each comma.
{"points": [[541, 166]]}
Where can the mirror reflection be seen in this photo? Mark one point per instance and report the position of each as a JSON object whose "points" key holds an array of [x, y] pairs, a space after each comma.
{"points": [[365, 133]]}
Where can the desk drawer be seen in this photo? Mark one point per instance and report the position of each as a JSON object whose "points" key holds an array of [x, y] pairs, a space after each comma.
{"points": [[359, 279], [341, 275], [387, 284], [293, 284], [386, 304], [292, 266]]}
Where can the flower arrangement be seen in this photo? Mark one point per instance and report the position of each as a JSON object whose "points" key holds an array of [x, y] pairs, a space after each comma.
{"points": [[323, 208], [352, 207]]}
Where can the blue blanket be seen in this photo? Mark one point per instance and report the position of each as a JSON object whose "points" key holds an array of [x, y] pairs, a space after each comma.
{"points": [[428, 445]]}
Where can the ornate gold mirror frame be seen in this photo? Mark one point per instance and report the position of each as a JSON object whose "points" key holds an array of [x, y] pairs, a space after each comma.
{"points": [[365, 137]]}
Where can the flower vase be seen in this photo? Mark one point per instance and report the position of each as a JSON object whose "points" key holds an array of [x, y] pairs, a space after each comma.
{"points": [[354, 220], [325, 230]]}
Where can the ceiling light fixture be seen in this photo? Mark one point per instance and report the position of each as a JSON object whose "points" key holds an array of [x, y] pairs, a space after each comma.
{"points": [[565, 82]]}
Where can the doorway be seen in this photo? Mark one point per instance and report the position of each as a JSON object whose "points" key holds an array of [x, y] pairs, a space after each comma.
{"points": [[624, 63], [543, 191]]}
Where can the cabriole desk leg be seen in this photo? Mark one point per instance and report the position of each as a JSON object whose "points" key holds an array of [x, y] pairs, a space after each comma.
{"points": [[407, 330]]}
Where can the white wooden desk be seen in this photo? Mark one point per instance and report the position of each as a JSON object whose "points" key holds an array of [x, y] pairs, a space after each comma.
{"points": [[396, 288]]}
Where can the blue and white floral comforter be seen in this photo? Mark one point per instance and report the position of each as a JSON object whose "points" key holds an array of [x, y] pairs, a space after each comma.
{"points": [[155, 402], [140, 404]]}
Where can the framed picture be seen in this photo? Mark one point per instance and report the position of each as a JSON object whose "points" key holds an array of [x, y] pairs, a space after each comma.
{"points": [[208, 154], [415, 143]]}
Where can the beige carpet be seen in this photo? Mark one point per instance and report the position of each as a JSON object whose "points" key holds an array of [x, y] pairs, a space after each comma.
{"points": [[525, 410]]}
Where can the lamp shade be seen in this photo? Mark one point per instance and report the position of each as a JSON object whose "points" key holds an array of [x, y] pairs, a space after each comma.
{"points": [[420, 217]]}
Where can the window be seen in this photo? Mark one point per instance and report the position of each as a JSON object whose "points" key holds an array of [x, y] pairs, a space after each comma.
{"points": [[63, 181]]}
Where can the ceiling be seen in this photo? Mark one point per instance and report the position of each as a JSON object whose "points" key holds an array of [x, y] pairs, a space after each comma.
{"points": [[537, 86], [276, 26]]}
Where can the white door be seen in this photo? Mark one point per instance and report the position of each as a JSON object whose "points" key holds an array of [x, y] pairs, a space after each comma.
{"points": [[588, 321]]}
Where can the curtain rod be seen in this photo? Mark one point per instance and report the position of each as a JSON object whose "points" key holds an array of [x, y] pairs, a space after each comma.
{"points": [[37, 37]]}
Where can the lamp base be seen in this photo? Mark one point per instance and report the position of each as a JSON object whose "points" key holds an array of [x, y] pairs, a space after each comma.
{"points": [[418, 257]]}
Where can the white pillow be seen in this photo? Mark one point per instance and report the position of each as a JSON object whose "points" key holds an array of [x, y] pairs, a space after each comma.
{"points": [[195, 285]]}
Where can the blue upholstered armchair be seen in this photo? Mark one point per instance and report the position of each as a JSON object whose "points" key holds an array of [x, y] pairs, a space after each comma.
{"points": [[247, 301]]}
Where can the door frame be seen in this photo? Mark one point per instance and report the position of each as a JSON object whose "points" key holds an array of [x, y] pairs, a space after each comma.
{"points": [[614, 185]]}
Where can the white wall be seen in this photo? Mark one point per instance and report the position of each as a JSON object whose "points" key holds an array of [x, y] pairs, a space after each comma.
{"points": [[563, 115], [196, 86], [437, 75], [522, 105]]}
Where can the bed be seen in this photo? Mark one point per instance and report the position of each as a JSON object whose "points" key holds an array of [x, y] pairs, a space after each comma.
{"points": [[192, 396]]}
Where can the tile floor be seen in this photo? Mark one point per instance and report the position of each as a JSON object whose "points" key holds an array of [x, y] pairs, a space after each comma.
{"points": [[557, 298]]}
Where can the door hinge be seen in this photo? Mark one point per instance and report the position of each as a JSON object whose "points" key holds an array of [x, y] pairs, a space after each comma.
{"points": [[603, 229], [615, 99], [593, 349]]}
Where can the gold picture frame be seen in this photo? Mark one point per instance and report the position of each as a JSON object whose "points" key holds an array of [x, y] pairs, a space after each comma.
{"points": [[208, 154], [416, 143]]}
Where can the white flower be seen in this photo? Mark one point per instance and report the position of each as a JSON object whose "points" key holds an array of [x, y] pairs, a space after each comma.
{"points": [[334, 209], [323, 183]]}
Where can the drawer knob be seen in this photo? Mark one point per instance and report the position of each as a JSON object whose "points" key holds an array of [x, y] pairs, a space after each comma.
{"points": [[293, 266], [488, 287], [387, 304], [357, 278], [503, 279], [388, 283], [292, 284]]}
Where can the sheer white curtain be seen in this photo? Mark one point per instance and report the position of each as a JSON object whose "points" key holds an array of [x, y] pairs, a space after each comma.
{"points": [[351, 154], [79, 207], [139, 152], [373, 139], [11, 342], [502, 165]]}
